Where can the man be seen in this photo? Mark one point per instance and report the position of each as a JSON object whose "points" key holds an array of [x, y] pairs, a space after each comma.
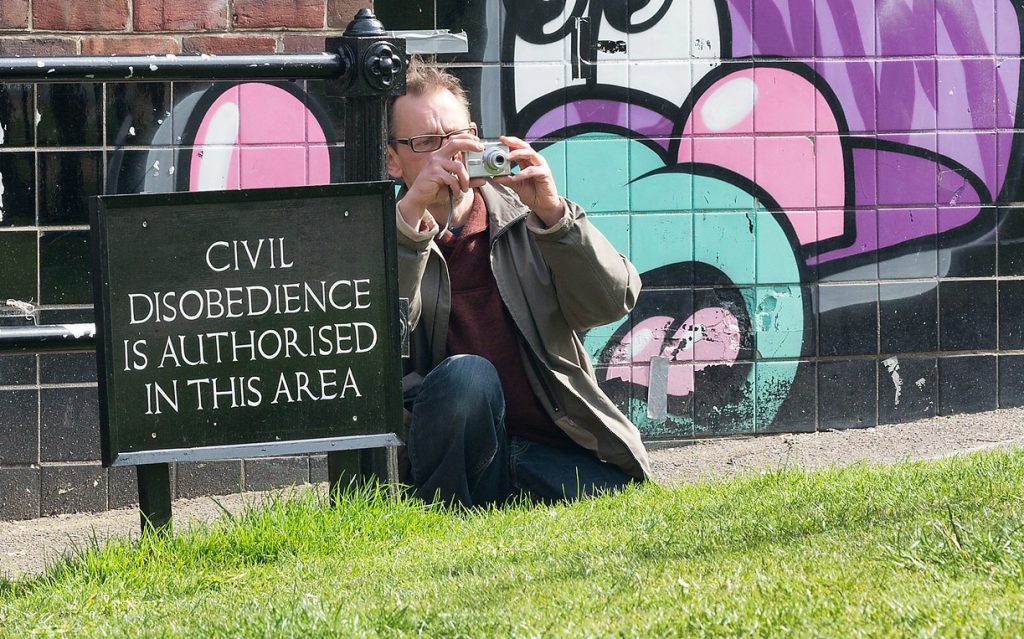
{"points": [[500, 274]]}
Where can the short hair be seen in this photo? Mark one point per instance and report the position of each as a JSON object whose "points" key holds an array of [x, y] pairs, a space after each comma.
{"points": [[423, 77]]}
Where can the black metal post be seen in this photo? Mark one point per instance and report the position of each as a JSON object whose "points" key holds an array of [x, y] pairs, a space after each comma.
{"points": [[377, 74], [154, 497]]}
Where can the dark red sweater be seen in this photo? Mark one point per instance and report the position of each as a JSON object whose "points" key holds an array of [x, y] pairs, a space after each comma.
{"points": [[481, 325]]}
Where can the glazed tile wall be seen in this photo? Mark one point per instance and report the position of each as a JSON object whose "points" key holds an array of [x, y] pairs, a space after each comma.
{"points": [[822, 197]]}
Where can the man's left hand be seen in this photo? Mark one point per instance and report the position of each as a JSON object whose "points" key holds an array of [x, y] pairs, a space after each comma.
{"points": [[534, 183]]}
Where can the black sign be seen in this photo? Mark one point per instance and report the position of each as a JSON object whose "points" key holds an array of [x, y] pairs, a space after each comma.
{"points": [[244, 317]]}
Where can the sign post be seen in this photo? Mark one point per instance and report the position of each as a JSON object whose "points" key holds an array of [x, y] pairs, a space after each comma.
{"points": [[378, 73], [242, 324]]}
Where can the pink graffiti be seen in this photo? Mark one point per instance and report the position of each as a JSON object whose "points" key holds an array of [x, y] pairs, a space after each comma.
{"points": [[258, 136], [799, 170], [709, 337]]}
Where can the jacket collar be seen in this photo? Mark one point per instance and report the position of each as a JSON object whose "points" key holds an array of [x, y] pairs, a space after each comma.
{"points": [[503, 207]]}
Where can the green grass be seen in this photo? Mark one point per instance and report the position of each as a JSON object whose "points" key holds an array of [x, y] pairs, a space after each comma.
{"points": [[919, 549]]}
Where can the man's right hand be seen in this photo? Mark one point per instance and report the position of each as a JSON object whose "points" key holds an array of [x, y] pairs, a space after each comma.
{"points": [[443, 170]]}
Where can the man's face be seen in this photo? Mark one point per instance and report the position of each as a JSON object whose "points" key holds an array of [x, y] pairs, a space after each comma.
{"points": [[436, 113]]}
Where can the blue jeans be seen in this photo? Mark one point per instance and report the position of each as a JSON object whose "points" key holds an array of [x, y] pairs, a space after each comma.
{"points": [[460, 452]]}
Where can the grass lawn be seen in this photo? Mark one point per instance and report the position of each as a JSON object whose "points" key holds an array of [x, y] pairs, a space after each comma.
{"points": [[919, 549]]}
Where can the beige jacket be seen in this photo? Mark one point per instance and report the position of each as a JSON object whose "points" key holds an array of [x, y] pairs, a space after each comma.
{"points": [[554, 281]]}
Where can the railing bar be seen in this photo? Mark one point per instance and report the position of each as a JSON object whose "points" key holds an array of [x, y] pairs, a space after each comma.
{"points": [[152, 68]]}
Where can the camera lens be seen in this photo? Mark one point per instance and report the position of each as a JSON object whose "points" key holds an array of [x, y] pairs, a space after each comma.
{"points": [[494, 160]]}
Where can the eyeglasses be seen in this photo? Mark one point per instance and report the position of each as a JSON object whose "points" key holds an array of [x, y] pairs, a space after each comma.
{"points": [[430, 142]]}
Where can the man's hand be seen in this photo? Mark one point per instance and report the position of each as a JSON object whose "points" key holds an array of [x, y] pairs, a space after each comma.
{"points": [[534, 183], [443, 170]]}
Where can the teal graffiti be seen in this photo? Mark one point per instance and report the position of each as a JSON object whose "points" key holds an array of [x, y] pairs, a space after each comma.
{"points": [[660, 216]]}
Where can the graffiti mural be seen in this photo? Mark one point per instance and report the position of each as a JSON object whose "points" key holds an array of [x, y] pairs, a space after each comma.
{"points": [[766, 146], [814, 192]]}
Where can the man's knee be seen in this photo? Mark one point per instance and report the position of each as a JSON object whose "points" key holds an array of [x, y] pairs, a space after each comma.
{"points": [[462, 389], [464, 378]]}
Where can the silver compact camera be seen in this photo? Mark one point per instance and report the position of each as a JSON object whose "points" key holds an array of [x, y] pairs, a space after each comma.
{"points": [[491, 162]]}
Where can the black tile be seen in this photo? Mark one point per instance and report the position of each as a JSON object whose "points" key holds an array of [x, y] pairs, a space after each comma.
{"points": [[197, 479], [967, 315], [268, 474], [723, 399], [65, 270], [19, 493], [971, 256], [482, 22], [122, 487], [67, 316], [17, 113], [794, 403], [329, 110], [907, 389], [405, 14], [139, 114], [69, 424], [19, 259], [10, 316], [847, 394], [617, 390], [19, 427], [67, 368], [908, 317], [1011, 315], [967, 384], [848, 319], [1011, 381], [73, 489], [17, 370], [69, 114], [145, 171], [18, 195], [470, 77], [67, 182], [1011, 241]]}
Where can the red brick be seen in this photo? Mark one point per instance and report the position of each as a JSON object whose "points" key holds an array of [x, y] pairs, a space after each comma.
{"points": [[37, 46], [80, 15], [303, 43], [181, 15], [229, 44], [341, 12], [14, 14], [115, 45], [264, 14]]}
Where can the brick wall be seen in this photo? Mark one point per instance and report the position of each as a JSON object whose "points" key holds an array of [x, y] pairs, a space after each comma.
{"points": [[65, 143], [109, 27]]}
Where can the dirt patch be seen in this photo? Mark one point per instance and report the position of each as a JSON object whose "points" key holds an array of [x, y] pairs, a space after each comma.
{"points": [[28, 547]]}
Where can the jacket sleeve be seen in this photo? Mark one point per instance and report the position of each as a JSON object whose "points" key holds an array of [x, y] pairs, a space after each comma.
{"points": [[595, 284], [413, 251]]}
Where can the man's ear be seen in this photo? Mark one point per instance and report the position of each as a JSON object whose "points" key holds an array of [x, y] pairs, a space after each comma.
{"points": [[394, 168]]}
